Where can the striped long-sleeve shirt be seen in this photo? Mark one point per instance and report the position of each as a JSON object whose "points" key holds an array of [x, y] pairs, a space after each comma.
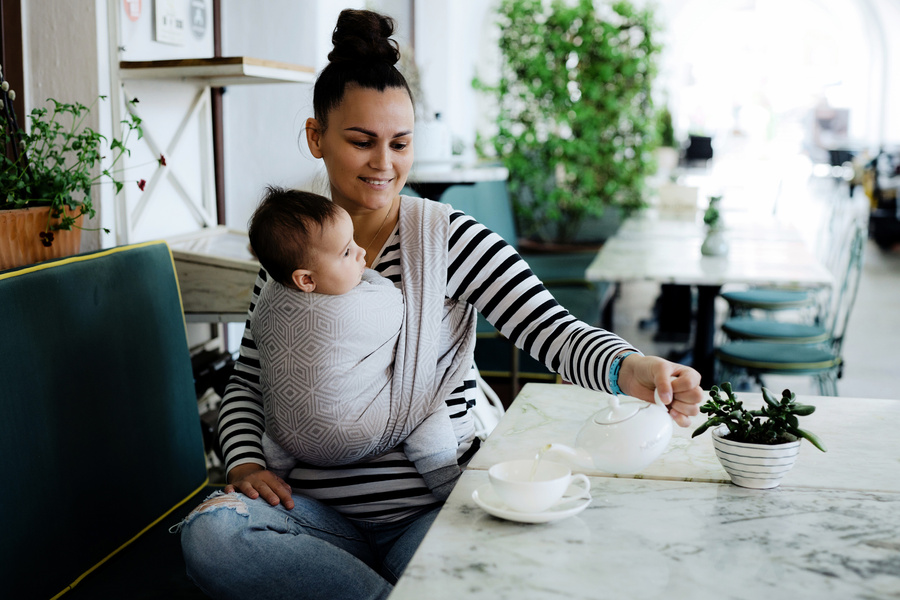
{"points": [[485, 271]]}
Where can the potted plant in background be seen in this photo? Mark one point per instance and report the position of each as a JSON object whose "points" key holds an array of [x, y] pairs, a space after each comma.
{"points": [[667, 154], [715, 243], [575, 122], [47, 175], [756, 447]]}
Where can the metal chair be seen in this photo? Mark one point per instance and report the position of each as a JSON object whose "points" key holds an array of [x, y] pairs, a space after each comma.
{"points": [[800, 356], [801, 331], [779, 300]]}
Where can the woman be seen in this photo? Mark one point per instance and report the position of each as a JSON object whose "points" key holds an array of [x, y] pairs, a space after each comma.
{"points": [[349, 532]]}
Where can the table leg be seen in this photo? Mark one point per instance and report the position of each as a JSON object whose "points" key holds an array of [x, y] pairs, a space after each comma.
{"points": [[704, 335]]}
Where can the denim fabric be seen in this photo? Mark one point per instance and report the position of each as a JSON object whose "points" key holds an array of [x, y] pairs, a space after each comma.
{"points": [[235, 547]]}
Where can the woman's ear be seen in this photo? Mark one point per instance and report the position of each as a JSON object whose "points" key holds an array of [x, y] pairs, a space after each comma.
{"points": [[313, 137], [303, 279]]}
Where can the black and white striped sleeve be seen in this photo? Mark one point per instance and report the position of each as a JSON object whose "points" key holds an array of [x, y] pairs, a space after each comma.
{"points": [[488, 272], [241, 418]]}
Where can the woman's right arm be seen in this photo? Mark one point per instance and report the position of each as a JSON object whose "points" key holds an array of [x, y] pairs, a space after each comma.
{"points": [[242, 421]]}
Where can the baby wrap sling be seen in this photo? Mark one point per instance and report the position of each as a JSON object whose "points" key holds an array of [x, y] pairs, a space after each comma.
{"points": [[350, 377]]}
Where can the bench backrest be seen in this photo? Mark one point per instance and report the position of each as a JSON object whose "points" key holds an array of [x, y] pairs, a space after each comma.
{"points": [[99, 429]]}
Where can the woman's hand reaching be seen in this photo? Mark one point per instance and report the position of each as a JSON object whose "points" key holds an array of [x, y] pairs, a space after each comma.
{"points": [[253, 481], [678, 385]]}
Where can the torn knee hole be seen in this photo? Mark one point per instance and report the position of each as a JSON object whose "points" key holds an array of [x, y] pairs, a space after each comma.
{"points": [[215, 502], [221, 501]]}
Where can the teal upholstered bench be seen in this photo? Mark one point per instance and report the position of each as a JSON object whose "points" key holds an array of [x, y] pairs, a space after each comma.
{"points": [[100, 436]]}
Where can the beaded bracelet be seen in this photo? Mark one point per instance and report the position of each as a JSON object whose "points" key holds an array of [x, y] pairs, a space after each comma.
{"points": [[614, 371]]}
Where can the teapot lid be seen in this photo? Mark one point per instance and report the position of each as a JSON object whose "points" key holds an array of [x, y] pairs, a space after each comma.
{"points": [[617, 412]]}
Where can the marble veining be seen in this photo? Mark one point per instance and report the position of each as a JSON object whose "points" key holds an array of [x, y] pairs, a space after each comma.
{"points": [[860, 433], [666, 539]]}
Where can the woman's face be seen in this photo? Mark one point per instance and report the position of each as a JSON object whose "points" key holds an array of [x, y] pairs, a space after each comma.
{"points": [[367, 147]]}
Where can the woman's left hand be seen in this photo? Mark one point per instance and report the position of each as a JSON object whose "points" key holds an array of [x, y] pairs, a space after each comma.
{"points": [[678, 385]]}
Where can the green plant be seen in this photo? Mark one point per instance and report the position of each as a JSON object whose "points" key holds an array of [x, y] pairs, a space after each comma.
{"points": [[575, 122], [54, 162], [665, 130], [712, 215], [775, 423]]}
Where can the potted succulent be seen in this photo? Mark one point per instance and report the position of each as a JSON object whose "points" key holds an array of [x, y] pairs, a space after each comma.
{"points": [[47, 175], [756, 447], [575, 123], [715, 243]]}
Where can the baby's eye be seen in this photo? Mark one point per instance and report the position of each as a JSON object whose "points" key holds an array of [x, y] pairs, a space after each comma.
{"points": [[347, 252]]}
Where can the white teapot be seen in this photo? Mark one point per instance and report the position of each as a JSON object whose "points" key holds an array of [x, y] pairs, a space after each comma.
{"points": [[622, 438]]}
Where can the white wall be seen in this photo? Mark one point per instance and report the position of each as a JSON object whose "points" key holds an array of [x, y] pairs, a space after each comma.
{"points": [[451, 51], [61, 62], [263, 123], [884, 19]]}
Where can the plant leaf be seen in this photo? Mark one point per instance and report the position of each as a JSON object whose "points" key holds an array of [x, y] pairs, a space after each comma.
{"points": [[769, 398], [813, 438]]}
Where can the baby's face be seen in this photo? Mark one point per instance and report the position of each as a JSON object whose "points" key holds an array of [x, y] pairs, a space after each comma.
{"points": [[339, 261]]}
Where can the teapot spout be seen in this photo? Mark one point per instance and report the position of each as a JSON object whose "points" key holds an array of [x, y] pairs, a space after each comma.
{"points": [[579, 456]]}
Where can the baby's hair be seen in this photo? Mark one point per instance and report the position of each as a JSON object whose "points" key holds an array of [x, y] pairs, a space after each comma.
{"points": [[283, 227], [364, 55]]}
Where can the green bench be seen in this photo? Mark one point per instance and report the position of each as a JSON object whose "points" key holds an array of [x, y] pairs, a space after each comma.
{"points": [[100, 436]]}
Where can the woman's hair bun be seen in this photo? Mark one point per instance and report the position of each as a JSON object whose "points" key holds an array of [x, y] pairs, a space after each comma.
{"points": [[364, 36]]}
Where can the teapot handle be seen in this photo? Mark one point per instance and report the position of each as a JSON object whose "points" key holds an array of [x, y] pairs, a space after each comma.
{"points": [[656, 397]]}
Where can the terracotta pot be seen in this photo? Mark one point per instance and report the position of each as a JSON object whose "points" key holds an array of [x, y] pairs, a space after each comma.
{"points": [[20, 242]]}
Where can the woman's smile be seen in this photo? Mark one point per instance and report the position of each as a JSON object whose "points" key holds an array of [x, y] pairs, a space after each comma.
{"points": [[378, 183]]}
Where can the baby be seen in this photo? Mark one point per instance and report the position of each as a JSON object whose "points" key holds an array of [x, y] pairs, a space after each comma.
{"points": [[327, 329]]}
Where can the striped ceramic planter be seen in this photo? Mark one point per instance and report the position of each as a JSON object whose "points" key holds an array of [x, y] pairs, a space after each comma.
{"points": [[758, 466]]}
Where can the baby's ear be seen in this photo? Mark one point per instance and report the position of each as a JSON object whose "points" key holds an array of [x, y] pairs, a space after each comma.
{"points": [[303, 280]]}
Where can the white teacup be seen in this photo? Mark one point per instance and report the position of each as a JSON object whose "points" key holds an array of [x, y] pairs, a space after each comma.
{"points": [[525, 489]]}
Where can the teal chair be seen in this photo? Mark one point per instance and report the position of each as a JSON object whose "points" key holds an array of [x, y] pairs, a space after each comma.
{"points": [[563, 274], [800, 331], [782, 355], [779, 300], [767, 299], [100, 436]]}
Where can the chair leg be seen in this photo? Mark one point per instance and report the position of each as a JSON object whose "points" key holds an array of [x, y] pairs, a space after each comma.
{"points": [[827, 383], [730, 373]]}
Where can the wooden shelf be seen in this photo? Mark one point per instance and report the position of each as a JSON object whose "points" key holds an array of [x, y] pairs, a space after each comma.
{"points": [[216, 273], [218, 72]]}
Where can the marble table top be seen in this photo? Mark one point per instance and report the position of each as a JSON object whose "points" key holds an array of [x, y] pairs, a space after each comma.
{"points": [[448, 172], [653, 223], [665, 539], [655, 247], [678, 260], [860, 434]]}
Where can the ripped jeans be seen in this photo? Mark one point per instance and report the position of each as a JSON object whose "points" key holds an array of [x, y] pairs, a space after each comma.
{"points": [[235, 547]]}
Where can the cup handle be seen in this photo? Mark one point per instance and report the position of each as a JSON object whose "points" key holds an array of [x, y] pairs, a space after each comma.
{"points": [[586, 492]]}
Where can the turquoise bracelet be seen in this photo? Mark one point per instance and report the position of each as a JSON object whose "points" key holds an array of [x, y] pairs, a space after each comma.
{"points": [[614, 371]]}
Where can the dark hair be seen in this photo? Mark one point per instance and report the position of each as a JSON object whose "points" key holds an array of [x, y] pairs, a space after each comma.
{"points": [[281, 227], [363, 55]]}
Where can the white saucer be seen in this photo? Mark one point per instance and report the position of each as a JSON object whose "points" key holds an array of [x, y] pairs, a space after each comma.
{"points": [[567, 507]]}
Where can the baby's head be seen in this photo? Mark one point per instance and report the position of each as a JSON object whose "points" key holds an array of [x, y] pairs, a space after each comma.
{"points": [[305, 241]]}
